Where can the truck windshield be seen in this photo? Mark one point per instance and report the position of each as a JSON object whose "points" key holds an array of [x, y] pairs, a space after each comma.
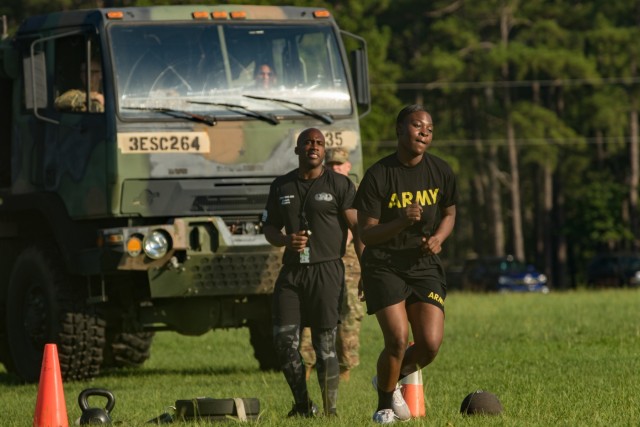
{"points": [[200, 67]]}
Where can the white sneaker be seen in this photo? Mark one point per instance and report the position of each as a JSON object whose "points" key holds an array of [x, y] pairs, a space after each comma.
{"points": [[384, 416], [400, 407]]}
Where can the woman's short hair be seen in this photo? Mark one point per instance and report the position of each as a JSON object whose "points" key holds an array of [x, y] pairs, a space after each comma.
{"points": [[408, 110]]}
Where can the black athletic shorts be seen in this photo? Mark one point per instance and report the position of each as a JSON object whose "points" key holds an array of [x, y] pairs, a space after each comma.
{"points": [[309, 294], [403, 276]]}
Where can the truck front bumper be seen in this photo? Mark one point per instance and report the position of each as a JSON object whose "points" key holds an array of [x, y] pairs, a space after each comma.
{"points": [[201, 258]]}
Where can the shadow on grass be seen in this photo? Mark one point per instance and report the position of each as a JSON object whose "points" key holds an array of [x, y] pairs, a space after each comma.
{"points": [[11, 379], [141, 372]]}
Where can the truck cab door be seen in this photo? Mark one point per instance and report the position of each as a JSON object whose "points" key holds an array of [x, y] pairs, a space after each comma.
{"points": [[65, 95]]}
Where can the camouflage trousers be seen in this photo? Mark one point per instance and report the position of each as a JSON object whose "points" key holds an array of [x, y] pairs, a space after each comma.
{"points": [[348, 336]]}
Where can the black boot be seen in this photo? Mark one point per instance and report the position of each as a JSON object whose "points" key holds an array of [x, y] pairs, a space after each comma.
{"points": [[306, 409]]}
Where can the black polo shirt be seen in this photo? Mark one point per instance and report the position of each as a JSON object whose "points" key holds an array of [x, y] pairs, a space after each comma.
{"points": [[322, 201]]}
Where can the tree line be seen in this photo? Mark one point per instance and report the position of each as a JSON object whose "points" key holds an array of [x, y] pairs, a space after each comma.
{"points": [[535, 105]]}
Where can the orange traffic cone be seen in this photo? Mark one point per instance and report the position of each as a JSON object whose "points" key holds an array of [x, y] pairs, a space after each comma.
{"points": [[413, 393], [51, 409]]}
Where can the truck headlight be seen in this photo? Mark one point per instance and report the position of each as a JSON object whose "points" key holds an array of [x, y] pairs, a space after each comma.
{"points": [[156, 244]]}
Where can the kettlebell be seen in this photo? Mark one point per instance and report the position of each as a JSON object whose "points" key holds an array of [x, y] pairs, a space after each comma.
{"points": [[95, 415]]}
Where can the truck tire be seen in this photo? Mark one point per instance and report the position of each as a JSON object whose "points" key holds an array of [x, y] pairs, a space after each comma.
{"points": [[44, 307], [127, 350], [5, 353], [261, 337]]}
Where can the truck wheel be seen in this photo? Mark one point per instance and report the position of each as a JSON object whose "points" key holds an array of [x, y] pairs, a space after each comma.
{"points": [[127, 349], [261, 336], [45, 307], [5, 353]]}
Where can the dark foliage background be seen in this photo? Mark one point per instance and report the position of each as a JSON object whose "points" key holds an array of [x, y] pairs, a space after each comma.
{"points": [[535, 105]]}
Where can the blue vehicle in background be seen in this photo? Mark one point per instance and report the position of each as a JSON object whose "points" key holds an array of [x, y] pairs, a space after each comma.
{"points": [[502, 274]]}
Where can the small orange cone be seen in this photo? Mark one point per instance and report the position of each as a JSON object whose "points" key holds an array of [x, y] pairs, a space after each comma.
{"points": [[51, 409], [413, 393]]}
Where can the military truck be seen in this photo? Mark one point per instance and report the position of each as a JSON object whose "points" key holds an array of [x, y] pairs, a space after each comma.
{"points": [[136, 154]]}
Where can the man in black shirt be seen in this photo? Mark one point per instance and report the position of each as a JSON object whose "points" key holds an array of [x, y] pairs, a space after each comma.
{"points": [[406, 210], [314, 207]]}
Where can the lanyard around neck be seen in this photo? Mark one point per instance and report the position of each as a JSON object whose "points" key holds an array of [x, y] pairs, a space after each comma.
{"points": [[303, 215]]}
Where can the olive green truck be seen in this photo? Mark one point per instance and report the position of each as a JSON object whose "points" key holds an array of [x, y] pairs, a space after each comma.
{"points": [[136, 154]]}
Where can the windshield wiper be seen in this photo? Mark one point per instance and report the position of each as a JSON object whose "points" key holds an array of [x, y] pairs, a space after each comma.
{"points": [[210, 120], [243, 110], [301, 108]]}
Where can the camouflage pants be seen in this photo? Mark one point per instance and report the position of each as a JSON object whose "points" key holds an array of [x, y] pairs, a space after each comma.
{"points": [[348, 337], [286, 340]]}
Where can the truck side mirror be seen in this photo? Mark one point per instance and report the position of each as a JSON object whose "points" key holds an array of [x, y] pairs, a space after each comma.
{"points": [[359, 71], [35, 81], [361, 78]]}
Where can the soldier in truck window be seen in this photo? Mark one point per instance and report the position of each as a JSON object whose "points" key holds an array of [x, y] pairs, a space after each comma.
{"points": [[265, 77], [75, 100]]}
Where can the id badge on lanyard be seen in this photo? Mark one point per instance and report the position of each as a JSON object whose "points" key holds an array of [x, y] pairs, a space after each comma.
{"points": [[305, 255]]}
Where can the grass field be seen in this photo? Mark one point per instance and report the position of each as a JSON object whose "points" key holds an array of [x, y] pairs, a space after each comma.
{"points": [[563, 359]]}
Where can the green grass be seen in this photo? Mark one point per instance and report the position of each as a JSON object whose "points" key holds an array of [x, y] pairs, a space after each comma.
{"points": [[563, 359]]}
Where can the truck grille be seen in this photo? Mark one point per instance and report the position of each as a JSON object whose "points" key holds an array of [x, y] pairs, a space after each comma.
{"points": [[237, 272]]}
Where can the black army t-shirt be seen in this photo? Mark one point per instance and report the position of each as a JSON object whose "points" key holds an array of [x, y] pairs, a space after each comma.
{"points": [[322, 201], [389, 186]]}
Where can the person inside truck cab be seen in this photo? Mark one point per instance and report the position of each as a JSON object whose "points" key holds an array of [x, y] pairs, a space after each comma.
{"points": [[75, 100], [265, 77]]}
